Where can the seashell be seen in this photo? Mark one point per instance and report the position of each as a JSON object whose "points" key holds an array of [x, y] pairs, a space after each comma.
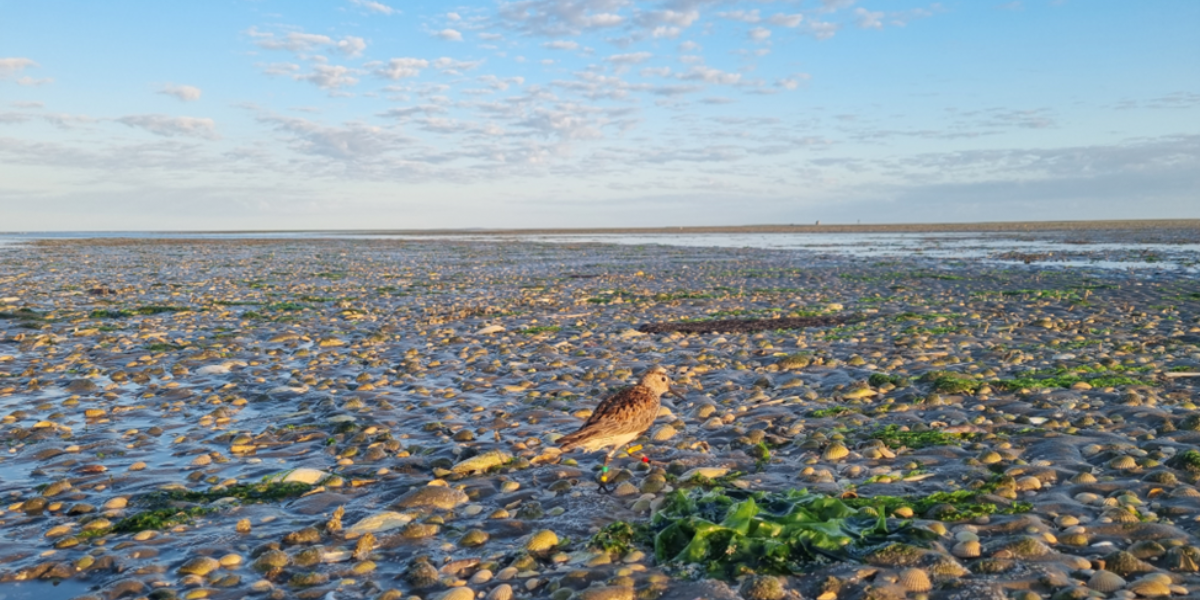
{"points": [[1123, 462], [1163, 477], [1029, 483], [1120, 515], [1067, 520], [1185, 491], [1125, 564], [835, 451], [915, 580], [1026, 547], [946, 567], [1161, 577], [1084, 477], [1110, 502], [966, 536], [1106, 581], [967, 549], [1087, 498], [1150, 588], [1145, 549], [1184, 559], [1074, 539], [990, 457]]}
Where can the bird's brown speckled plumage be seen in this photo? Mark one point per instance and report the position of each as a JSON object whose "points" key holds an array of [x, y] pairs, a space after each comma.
{"points": [[622, 417]]}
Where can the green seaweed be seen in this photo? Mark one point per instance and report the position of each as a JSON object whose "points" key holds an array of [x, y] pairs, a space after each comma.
{"points": [[766, 532], [620, 537], [160, 518], [895, 437], [954, 506], [124, 313], [878, 379], [832, 411], [1065, 378], [541, 329], [947, 382], [246, 493]]}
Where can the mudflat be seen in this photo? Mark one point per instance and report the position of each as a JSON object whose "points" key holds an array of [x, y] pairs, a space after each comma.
{"points": [[376, 418]]}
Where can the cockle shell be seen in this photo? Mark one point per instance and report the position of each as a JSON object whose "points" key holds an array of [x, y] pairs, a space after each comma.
{"points": [[967, 549], [1106, 581], [836, 451], [915, 580]]}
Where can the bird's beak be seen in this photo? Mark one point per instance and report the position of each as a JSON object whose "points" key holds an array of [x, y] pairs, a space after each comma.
{"points": [[678, 393]]}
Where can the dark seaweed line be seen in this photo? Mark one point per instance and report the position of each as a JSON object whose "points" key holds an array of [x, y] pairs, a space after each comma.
{"points": [[748, 325]]}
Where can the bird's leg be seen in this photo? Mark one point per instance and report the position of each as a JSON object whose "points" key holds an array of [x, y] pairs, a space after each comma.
{"points": [[604, 471]]}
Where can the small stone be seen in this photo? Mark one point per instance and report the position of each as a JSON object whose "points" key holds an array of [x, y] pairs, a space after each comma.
{"points": [[432, 496], [201, 565], [542, 541], [608, 593], [473, 538], [664, 433], [762, 587], [384, 521], [458, 593], [501, 592]]}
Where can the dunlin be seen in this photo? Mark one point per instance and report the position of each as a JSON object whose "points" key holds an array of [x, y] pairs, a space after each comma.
{"points": [[621, 418]]}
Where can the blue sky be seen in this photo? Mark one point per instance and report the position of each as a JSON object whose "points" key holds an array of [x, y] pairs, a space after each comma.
{"points": [[264, 114]]}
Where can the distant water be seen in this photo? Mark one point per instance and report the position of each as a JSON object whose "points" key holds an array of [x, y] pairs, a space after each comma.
{"points": [[1052, 249]]}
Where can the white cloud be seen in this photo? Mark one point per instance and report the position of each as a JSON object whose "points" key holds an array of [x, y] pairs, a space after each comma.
{"points": [[822, 30], [662, 31], [561, 17], [759, 34], [353, 141], [630, 59], [453, 16], [681, 18], [399, 68], [173, 126], [449, 35], [31, 82], [491, 37], [834, 5], [375, 7], [328, 77], [869, 19], [186, 93], [689, 46], [711, 75], [561, 45], [298, 42], [28, 104], [655, 71], [741, 15], [351, 46], [12, 66], [453, 66], [786, 20], [793, 82], [280, 68]]}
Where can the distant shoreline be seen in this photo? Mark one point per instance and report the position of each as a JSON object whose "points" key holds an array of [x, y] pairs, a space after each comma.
{"points": [[981, 227], [999, 227]]}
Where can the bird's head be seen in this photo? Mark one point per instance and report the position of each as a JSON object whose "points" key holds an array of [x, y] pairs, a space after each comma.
{"points": [[657, 380]]}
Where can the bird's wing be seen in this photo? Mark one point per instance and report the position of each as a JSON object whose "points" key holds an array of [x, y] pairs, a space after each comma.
{"points": [[632, 410]]}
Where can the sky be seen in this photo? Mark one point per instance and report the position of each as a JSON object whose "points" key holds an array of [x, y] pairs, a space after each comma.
{"points": [[364, 114]]}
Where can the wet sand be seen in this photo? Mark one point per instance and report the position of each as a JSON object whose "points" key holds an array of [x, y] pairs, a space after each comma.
{"points": [[375, 418]]}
